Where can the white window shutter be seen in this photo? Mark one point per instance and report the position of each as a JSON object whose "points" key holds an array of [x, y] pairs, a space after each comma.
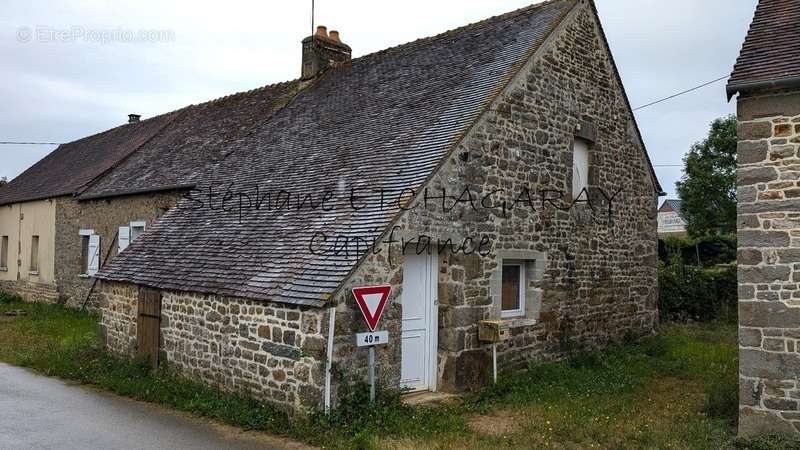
{"points": [[94, 255], [124, 238]]}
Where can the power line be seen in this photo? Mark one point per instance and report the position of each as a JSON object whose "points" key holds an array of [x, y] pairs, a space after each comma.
{"points": [[312, 30], [681, 93], [28, 143], [667, 165]]}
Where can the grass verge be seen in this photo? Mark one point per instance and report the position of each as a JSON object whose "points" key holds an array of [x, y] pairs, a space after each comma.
{"points": [[674, 390]]}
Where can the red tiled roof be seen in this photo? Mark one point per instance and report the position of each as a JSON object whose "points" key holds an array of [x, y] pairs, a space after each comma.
{"points": [[771, 50]]}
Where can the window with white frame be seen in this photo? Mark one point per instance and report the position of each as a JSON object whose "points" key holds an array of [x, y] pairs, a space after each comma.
{"points": [[580, 168], [127, 234], [90, 253], [513, 289]]}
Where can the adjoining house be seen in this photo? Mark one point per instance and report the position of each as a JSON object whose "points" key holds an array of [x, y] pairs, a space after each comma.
{"points": [[81, 205], [767, 78], [670, 219]]}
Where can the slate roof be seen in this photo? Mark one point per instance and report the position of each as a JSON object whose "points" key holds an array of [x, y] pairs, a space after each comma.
{"points": [[771, 50], [385, 120], [72, 166], [195, 139]]}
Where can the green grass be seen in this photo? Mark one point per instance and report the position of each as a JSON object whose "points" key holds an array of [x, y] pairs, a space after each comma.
{"points": [[674, 390]]}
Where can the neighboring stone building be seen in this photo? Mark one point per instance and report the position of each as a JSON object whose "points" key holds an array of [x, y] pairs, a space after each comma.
{"points": [[521, 118], [66, 216], [767, 79], [670, 219]]}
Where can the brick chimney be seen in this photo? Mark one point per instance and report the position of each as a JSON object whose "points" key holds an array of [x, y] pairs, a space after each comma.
{"points": [[133, 118], [321, 50]]}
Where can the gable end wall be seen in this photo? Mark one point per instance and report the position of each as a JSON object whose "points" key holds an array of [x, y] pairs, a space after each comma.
{"points": [[594, 279]]}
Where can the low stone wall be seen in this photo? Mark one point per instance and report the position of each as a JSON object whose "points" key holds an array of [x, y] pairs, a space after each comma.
{"points": [[769, 265], [272, 351], [31, 291]]}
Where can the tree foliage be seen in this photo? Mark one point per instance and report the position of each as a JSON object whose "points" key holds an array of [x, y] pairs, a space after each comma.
{"points": [[708, 186]]}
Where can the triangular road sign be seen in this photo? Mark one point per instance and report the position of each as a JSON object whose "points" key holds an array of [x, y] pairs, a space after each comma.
{"points": [[371, 300]]}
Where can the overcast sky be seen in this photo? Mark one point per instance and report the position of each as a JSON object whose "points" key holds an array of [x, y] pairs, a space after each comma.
{"points": [[74, 68]]}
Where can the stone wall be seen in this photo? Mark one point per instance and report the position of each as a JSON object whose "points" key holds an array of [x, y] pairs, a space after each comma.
{"points": [[594, 277], [104, 216], [769, 262], [275, 352], [30, 290]]}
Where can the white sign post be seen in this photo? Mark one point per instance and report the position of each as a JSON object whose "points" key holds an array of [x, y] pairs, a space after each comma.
{"points": [[371, 300]]}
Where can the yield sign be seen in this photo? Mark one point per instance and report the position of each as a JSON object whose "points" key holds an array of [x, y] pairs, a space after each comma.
{"points": [[371, 300]]}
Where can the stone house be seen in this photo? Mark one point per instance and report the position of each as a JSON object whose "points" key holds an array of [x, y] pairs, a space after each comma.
{"points": [[767, 79], [670, 219], [492, 172]]}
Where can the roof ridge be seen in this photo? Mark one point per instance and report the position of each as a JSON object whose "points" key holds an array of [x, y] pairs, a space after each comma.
{"points": [[244, 93], [475, 25], [500, 17]]}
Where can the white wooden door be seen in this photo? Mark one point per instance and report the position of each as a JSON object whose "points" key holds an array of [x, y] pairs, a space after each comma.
{"points": [[420, 323]]}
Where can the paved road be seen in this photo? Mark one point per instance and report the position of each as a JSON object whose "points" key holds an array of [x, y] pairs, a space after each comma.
{"points": [[38, 412]]}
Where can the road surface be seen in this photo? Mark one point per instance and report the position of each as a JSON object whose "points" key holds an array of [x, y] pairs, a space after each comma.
{"points": [[38, 412]]}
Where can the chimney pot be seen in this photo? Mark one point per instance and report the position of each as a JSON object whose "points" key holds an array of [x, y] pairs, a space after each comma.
{"points": [[334, 36], [321, 51], [133, 118], [322, 31]]}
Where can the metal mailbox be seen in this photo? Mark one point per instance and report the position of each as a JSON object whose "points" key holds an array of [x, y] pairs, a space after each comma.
{"points": [[493, 330]]}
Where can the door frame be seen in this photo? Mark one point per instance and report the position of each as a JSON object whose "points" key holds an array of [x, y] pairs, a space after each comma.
{"points": [[432, 334]]}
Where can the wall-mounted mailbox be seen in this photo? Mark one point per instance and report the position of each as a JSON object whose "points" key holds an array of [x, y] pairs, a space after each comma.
{"points": [[493, 330]]}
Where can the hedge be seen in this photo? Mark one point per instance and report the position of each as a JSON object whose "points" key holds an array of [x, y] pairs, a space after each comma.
{"points": [[691, 293]]}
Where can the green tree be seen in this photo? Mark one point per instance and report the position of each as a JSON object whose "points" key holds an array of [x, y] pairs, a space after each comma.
{"points": [[708, 186]]}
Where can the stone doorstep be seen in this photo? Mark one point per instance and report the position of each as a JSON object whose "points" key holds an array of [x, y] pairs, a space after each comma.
{"points": [[429, 398]]}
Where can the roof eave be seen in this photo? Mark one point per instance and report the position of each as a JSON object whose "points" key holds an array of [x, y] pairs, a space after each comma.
{"points": [[750, 86]]}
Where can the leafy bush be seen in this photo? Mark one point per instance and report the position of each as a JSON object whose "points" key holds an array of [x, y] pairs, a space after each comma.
{"points": [[691, 293]]}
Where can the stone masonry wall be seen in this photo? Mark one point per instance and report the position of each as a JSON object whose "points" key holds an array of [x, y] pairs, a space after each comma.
{"points": [[769, 262], [593, 277], [30, 290], [274, 352], [104, 216]]}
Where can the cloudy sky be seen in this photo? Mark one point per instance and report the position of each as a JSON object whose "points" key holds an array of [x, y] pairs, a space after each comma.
{"points": [[74, 68]]}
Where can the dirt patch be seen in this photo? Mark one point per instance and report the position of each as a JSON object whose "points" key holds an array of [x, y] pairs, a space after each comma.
{"points": [[499, 423]]}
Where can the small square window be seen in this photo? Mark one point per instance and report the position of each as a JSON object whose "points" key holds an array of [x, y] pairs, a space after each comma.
{"points": [[513, 289]]}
